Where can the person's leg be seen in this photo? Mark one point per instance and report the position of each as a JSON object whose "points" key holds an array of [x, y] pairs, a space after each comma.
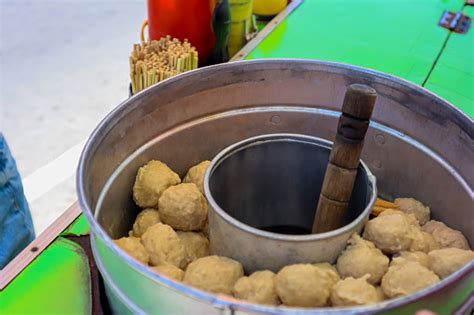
{"points": [[16, 226]]}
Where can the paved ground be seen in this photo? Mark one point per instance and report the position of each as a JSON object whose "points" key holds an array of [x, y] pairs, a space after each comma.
{"points": [[64, 65]]}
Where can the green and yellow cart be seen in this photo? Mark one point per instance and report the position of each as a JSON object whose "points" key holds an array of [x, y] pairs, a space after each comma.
{"points": [[56, 274]]}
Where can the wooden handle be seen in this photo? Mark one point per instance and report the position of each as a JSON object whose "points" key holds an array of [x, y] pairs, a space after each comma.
{"points": [[344, 159]]}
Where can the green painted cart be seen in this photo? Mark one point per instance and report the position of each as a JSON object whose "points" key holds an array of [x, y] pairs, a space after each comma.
{"points": [[56, 273]]}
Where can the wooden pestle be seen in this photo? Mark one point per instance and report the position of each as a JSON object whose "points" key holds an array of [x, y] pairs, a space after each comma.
{"points": [[341, 171]]}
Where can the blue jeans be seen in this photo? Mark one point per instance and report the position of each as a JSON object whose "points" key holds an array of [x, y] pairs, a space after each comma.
{"points": [[16, 226]]}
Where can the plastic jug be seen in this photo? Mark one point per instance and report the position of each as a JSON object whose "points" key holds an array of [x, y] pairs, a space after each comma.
{"points": [[191, 19], [241, 15], [268, 7]]}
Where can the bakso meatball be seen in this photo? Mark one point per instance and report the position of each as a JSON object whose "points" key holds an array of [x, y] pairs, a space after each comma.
{"points": [[410, 205], [404, 277], [169, 270], [391, 232], [259, 287], [303, 285], [420, 257], [446, 236], [410, 217], [183, 207], [422, 241], [331, 271], [164, 246], [144, 220], [380, 295], [152, 180], [447, 260], [350, 291], [196, 245], [196, 174], [205, 229], [361, 257], [132, 246], [214, 274]]}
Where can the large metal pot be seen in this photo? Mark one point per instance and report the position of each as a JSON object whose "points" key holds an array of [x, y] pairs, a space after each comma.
{"points": [[417, 145]]}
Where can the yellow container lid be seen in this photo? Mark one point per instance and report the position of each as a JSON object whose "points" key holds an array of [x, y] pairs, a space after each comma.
{"points": [[268, 7]]}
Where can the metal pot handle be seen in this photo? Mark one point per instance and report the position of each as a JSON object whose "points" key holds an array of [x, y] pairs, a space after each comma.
{"points": [[249, 35], [142, 30]]}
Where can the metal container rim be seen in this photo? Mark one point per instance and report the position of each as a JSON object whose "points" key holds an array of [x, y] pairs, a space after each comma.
{"points": [[274, 137], [123, 108]]}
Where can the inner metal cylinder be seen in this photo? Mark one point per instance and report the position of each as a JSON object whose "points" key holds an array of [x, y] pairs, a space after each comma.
{"points": [[263, 194]]}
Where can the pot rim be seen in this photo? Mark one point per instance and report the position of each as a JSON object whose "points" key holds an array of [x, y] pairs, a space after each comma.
{"points": [[465, 122]]}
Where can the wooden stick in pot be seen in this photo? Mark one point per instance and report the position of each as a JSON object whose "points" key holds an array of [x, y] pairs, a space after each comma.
{"points": [[344, 159]]}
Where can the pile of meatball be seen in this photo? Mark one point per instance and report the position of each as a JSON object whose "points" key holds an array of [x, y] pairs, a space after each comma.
{"points": [[399, 252]]}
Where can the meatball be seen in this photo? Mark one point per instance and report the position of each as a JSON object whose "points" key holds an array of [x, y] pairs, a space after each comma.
{"points": [[144, 220], [259, 287], [447, 260], [352, 291], [331, 271], [163, 245], [420, 257], [196, 174], [446, 236], [170, 271], [405, 233], [214, 274], [404, 277], [132, 246], [303, 285], [151, 181], [391, 232], [195, 244], [410, 217], [380, 295], [422, 241], [183, 207], [361, 257], [410, 205], [205, 229]]}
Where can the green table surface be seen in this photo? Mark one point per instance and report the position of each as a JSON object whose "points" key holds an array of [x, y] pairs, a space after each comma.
{"points": [[453, 75], [56, 282], [398, 37]]}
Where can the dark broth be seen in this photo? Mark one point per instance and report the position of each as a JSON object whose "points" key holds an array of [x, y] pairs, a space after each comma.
{"points": [[287, 229]]}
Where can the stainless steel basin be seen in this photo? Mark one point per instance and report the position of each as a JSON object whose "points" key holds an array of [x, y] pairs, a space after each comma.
{"points": [[418, 145]]}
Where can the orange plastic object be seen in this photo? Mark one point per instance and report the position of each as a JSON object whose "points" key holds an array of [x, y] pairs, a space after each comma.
{"points": [[191, 19]]}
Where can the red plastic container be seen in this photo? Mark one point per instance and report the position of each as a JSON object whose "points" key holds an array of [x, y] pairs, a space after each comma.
{"points": [[191, 19]]}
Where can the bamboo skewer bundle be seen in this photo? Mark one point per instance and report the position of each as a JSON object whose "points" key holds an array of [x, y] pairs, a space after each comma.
{"points": [[156, 60]]}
